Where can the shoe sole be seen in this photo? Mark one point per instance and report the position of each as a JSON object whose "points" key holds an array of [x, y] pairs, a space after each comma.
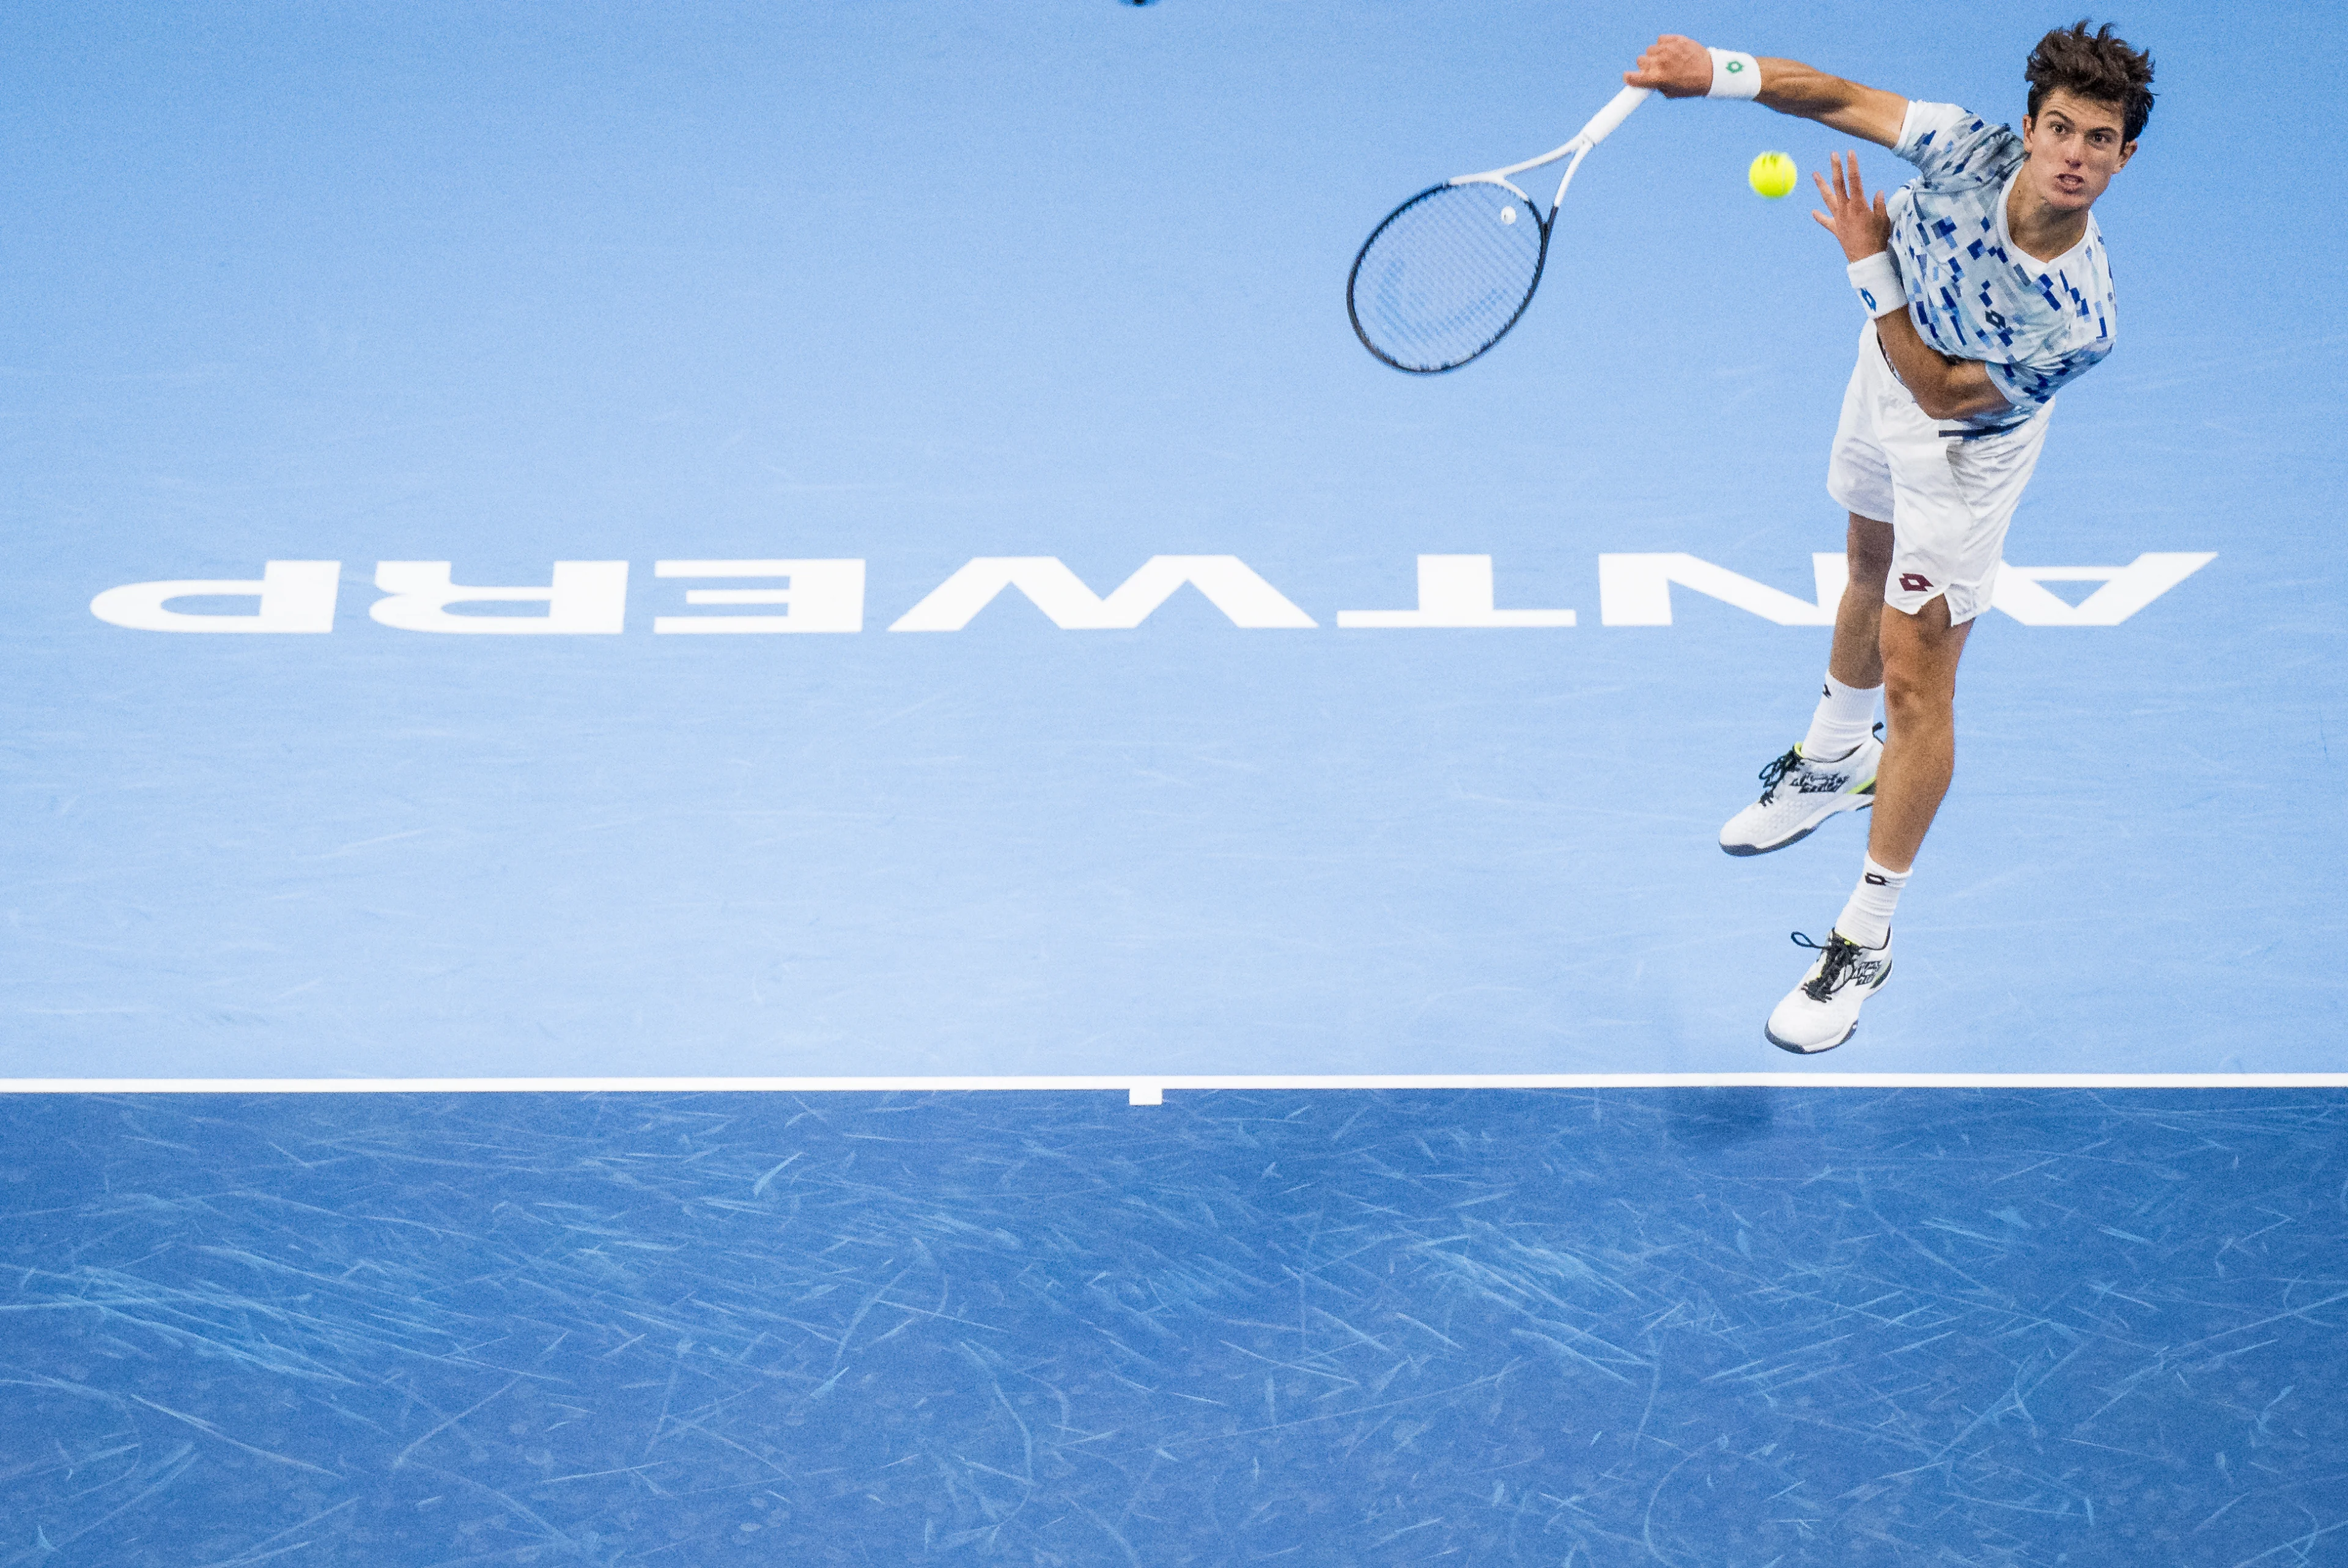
{"points": [[1771, 1036], [1859, 800], [1807, 1050]]}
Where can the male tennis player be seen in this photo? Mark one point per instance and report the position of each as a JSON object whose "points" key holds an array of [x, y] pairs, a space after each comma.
{"points": [[1985, 287]]}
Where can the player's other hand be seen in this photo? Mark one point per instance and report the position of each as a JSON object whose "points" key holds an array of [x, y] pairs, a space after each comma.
{"points": [[1863, 230], [1674, 66]]}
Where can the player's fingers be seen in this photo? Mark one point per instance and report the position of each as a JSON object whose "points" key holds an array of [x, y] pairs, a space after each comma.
{"points": [[1665, 65]]}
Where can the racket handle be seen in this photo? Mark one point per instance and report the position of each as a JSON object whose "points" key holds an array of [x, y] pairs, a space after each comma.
{"points": [[1602, 124]]}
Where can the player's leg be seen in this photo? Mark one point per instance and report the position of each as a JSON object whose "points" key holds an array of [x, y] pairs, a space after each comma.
{"points": [[1855, 661], [1955, 497], [1919, 651], [1831, 769], [1844, 721], [1920, 754]]}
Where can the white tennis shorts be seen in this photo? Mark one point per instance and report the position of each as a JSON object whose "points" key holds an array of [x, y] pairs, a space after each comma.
{"points": [[1947, 491]]}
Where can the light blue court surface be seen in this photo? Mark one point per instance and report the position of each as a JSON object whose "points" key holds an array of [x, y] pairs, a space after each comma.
{"points": [[902, 287]]}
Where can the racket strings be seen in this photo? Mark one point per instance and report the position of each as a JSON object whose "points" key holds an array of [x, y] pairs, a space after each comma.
{"points": [[1445, 276]]}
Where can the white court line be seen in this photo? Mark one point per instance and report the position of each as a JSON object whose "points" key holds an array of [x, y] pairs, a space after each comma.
{"points": [[1139, 1085]]}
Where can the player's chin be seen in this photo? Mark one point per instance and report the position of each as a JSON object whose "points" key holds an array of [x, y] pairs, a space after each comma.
{"points": [[2072, 196]]}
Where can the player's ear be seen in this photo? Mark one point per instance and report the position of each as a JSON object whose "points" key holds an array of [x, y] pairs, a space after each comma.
{"points": [[2127, 152]]}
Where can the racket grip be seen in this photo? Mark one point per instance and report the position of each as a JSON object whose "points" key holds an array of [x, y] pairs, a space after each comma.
{"points": [[1602, 124]]}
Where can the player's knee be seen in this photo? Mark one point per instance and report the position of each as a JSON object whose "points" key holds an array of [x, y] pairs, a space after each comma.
{"points": [[1869, 577], [1908, 697], [1917, 686]]}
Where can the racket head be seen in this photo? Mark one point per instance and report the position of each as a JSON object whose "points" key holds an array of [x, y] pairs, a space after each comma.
{"points": [[1447, 274]]}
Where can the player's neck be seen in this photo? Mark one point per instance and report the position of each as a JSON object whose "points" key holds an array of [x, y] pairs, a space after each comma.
{"points": [[2040, 230]]}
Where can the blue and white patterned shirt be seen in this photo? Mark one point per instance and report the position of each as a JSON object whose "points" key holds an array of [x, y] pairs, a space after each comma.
{"points": [[1971, 291]]}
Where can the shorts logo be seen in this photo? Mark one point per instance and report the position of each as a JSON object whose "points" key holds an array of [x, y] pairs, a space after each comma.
{"points": [[1913, 582]]}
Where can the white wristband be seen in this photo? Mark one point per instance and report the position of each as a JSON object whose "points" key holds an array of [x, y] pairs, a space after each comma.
{"points": [[1877, 282], [1734, 74]]}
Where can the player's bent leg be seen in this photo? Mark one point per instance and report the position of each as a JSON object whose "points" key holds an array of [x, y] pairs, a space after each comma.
{"points": [[1856, 659], [1832, 769]]}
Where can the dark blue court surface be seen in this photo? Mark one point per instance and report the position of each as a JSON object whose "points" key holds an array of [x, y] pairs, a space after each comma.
{"points": [[1730, 1327]]}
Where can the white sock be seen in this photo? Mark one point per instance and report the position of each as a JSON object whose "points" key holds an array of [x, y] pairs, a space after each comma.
{"points": [[1866, 918], [1845, 716]]}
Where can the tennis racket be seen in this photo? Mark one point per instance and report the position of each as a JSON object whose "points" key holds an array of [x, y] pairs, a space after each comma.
{"points": [[1448, 273]]}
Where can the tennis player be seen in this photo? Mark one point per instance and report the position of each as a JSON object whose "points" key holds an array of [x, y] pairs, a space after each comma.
{"points": [[1986, 290]]}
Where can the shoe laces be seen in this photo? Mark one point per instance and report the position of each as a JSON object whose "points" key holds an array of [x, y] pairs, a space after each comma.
{"points": [[1776, 772], [1842, 959]]}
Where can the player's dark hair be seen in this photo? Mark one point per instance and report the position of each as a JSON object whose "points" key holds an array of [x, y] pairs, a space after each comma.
{"points": [[2092, 64]]}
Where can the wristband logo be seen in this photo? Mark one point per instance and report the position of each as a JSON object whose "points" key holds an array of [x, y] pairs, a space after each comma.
{"points": [[1869, 296], [1735, 66]]}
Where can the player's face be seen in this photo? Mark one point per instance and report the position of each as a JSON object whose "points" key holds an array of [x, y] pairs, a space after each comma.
{"points": [[2074, 149]]}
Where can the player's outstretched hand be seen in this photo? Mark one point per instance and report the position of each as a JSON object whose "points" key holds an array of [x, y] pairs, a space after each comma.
{"points": [[1863, 230], [1674, 66]]}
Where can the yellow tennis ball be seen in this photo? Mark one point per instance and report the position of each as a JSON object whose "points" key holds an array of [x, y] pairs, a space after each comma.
{"points": [[1772, 175]]}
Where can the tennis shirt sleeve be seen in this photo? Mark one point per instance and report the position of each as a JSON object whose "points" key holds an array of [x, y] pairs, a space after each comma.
{"points": [[1948, 144], [2030, 384]]}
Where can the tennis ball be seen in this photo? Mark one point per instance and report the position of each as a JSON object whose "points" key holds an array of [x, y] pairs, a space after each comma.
{"points": [[1772, 175]]}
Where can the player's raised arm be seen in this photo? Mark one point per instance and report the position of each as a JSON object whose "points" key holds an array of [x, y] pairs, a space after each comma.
{"points": [[1679, 67]]}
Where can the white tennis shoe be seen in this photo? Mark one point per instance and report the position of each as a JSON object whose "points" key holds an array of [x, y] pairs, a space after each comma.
{"points": [[1823, 1010], [1797, 795]]}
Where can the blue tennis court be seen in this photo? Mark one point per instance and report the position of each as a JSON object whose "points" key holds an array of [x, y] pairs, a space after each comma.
{"points": [[1739, 1326], [822, 609]]}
